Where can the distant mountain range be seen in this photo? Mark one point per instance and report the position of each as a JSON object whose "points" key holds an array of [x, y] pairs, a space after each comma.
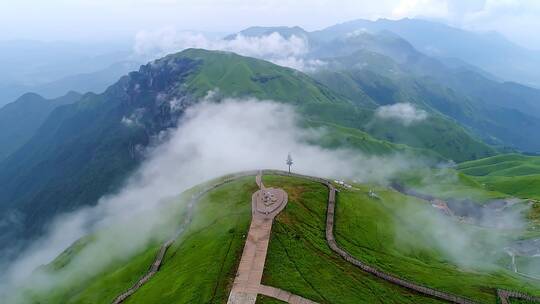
{"points": [[488, 51], [57, 155], [96, 81], [52, 69], [85, 149], [21, 119], [372, 59]]}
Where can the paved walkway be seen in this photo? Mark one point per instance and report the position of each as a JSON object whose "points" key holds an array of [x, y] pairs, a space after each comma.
{"points": [[266, 204], [283, 295]]}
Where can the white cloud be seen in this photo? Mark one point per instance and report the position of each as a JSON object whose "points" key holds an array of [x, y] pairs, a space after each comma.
{"points": [[305, 65], [168, 40], [405, 113], [134, 119], [274, 47], [475, 236], [213, 139], [358, 32]]}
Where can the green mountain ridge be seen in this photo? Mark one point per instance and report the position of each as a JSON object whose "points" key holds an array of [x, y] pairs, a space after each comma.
{"points": [[371, 59], [22, 118], [462, 219], [513, 174], [84, 150], [481, 105]]}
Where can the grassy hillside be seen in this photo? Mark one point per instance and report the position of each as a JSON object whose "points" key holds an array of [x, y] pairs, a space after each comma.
{"points": [[198, 268], [336, 136], [201, 264], [389, 70], [436, 133], [400, 242], [238, 76], [235, 75], [375, 231], [514, 174], [300, 261]]}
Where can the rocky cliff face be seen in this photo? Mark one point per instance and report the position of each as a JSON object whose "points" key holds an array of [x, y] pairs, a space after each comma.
{"points": [[155, 96], [86, 149]]}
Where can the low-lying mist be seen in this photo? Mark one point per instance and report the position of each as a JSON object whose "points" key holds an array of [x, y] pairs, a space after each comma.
{"points": [[473, 229], [212, 139], [215, 138], [285, 51], [470, 246]]}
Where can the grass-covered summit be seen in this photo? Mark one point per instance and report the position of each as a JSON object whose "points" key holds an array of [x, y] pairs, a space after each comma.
{"points": [[239, 76], [235, 75], [514, 174], [201, 264]]}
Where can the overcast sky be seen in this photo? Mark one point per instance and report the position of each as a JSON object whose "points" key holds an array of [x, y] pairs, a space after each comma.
{"points": [[102, 20]]}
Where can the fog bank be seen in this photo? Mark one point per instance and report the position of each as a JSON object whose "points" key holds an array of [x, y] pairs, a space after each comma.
{"points": [[212, 139], [284, 51]]}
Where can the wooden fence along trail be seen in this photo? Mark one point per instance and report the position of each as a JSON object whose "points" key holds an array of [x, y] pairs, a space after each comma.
{"points": [[506, 295], [503, 295], [385, 276], [154, 268]]}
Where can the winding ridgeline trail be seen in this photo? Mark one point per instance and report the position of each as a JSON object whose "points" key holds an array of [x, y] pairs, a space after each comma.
{"points": [[267, 203]]}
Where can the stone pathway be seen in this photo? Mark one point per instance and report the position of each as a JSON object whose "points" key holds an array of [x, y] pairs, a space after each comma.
{"points": [[266, 204], [283, 295]]}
